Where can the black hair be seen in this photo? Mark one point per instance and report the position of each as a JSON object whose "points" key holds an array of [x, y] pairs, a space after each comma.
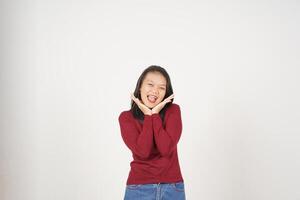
{"points": [[137, 113]]}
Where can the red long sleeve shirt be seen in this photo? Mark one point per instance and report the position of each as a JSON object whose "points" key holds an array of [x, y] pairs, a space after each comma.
{"points": [[153, 146]]}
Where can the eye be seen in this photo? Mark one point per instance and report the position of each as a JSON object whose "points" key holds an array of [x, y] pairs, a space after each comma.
{"points": [[162, 88], [150, 84]]}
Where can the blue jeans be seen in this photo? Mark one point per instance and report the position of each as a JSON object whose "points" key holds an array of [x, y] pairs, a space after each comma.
{"points": [[160, 191]]}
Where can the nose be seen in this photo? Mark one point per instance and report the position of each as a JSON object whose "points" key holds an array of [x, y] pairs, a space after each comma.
{"points": [[155, 91]]}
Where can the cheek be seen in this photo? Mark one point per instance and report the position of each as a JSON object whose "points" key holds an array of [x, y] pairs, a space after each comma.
{"points": [[144, 89], [162, 97], [144, 95]]}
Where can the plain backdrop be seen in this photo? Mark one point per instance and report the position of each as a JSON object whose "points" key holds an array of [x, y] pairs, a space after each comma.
{"points": [[68, 67]]}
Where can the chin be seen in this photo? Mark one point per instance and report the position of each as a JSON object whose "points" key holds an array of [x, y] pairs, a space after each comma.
{"points": [[150, 106]]}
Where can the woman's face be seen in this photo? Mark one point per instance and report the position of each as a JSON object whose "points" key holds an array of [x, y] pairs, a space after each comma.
{"points": [[153, 89]]}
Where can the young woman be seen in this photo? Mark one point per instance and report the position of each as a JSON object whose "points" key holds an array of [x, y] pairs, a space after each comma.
{"points": [[151, 129]]}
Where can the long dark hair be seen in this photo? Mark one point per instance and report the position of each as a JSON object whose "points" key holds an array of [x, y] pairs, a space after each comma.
{"points": [[136, 111]]}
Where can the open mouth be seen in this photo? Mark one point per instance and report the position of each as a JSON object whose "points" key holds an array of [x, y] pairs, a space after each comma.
{"points": [[152, 98]]}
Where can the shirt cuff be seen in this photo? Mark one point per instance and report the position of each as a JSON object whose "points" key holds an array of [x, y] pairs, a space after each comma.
{"points": [[147, 117], [156, 117], [155, 114]]}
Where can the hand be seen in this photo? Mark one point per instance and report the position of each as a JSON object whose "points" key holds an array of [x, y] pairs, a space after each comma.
{"points": [[142, 106], [159, 106]]}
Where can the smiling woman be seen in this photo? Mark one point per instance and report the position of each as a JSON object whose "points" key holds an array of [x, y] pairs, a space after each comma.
{"points": [[151, 129], [153, 81], [153, 89]]}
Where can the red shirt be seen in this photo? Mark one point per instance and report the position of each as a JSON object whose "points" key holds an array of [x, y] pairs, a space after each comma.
{"points": [[153, 146]]}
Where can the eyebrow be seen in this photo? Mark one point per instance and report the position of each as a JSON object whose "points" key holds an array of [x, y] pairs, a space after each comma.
{"points": [[158, 84]]}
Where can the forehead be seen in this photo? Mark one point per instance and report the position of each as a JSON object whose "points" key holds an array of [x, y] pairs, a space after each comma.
{"points": [[156, 78]]}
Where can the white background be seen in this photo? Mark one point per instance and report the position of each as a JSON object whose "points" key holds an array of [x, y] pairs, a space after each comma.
{"points": [[68, 67]]}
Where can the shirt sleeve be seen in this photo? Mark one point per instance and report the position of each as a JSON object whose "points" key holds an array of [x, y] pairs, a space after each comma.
{"points": [[140, 143], [167, 138]]}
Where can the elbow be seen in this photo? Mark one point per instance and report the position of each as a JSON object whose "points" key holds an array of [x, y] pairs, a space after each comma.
{"points": [[167, 148], [164, 152], [143, 155]]}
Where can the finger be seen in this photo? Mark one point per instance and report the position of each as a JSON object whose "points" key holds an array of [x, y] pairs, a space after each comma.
{"points": [[134, 99], [170, 97], [166, 101], [138, 102], [132, 96]]}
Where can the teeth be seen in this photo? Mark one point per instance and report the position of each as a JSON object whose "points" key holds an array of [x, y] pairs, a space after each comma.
{"points": [[152, 98]]}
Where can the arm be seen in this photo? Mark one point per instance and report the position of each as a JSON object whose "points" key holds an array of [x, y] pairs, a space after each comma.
{"points": [[167, 138], [139, 143]]}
